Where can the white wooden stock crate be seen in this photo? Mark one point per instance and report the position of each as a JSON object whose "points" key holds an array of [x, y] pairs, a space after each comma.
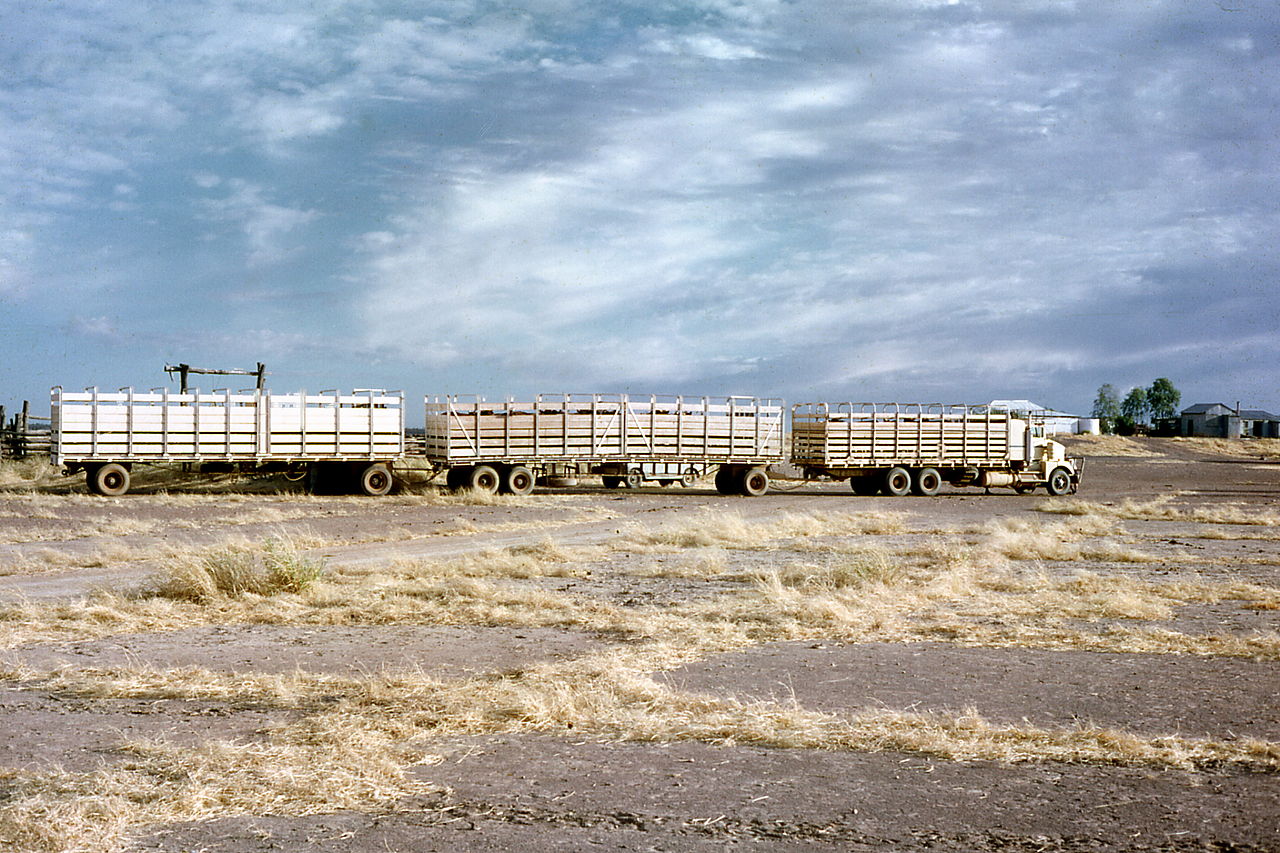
{"points": [[850, 435], [160, 426], [602, 428]]}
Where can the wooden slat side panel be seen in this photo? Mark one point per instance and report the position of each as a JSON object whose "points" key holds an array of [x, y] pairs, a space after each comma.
{"points": [[850, 439], [273, 426], [601, 429]]}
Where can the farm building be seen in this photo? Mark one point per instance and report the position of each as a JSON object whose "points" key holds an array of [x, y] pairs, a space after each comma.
{"points": [[1055, 422], [1222, 421]]}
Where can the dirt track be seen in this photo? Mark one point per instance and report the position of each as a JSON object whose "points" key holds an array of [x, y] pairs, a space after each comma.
{"points": [[548, 792]]}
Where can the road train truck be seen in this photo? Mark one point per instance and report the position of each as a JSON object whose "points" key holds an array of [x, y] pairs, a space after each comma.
{"points": [[354, 442], [896, 449]]}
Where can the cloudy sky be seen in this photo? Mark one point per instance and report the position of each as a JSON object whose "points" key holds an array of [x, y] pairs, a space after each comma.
{"points": [[881, 200]]}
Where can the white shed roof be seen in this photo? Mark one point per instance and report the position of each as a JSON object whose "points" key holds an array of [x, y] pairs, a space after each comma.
{"points": [[1028, 406]]}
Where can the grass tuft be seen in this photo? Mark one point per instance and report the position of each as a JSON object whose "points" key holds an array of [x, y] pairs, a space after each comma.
{"points": [[276, 566], [730, 530], [30, 473], [849, 570], [1163, 509]]}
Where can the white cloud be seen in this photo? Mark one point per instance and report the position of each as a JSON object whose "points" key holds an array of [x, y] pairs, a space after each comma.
{"points": [[16, 245], [705, 46], [281, 117], [727, 191], [266, 227], [100, 327]]}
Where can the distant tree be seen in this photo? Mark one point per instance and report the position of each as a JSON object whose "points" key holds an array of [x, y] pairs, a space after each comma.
{"points": [[1163, 399], [1106, 407], [1135, 407]]}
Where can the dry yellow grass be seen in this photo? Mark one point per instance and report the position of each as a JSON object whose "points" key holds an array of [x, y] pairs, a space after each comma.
{"points": [[988, 591], [935, 588], [975, 596], [612, 694], [353, 750], [1163, 509], [275, 566], [854, 569], [298, 772], [544, 558], [1110, 445], [1257, 448], [31, 473], [1077, 539], [712, 528], [1235, 533], [699, 563]]}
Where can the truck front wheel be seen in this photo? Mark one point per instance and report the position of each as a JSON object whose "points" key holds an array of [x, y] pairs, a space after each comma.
{"points": [[110, 480], [1059, 482]]}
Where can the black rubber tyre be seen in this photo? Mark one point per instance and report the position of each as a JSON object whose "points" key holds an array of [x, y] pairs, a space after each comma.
{"points": [[1059, 482], [926, 482], [688, 479], [896, 482], [866, 486], [634, 479], [376, 480], [1024, 488], [483, 478], [612, 482], [517, 480], [666, 483], [727, 481], [110, 480], [753, 482]]}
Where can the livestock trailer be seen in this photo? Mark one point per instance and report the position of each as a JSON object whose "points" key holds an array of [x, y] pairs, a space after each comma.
{"points": [[897, 448], [339, 440], [623, 439]]}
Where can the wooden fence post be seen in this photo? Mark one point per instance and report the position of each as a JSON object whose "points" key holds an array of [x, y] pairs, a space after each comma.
{"points": [[23, 425]]}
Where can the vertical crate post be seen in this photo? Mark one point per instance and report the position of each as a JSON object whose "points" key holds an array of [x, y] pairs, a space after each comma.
{"points": [[93, 420], [128, 420], [164, 422], [226, 421], [680, 426], [262, 421]]}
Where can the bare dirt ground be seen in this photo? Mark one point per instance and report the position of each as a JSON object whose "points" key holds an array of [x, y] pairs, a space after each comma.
{"points": [[659, 669]]}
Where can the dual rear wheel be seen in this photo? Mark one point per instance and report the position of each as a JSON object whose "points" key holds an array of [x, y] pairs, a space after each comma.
{"points": [[898, 481], [490, 479]]}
